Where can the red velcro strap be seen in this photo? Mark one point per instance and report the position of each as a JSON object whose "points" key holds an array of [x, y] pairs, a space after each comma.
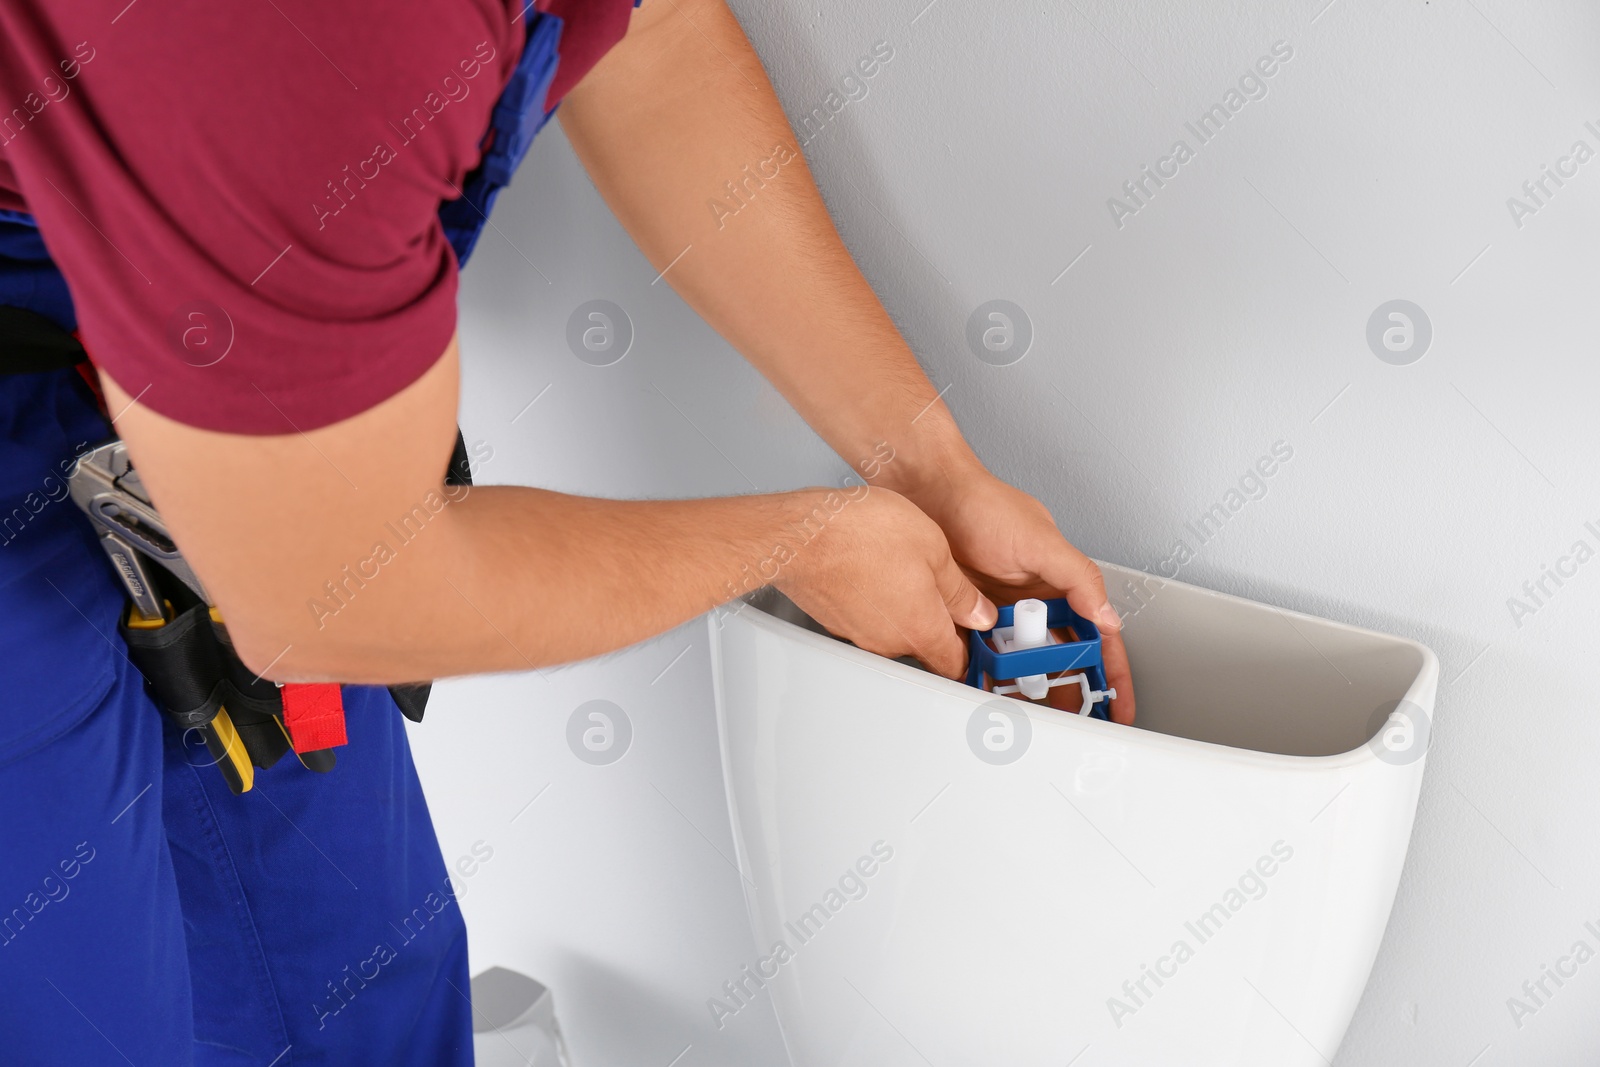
{"points": [[314, 715]]}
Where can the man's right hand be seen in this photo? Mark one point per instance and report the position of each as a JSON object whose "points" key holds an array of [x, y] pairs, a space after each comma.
{"points": [[880, 574]]}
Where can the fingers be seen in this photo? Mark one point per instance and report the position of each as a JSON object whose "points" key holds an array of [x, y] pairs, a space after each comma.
{"points": [[1079, 579], [936, 642], [1076, 575], [1003, 592], [926, 634], [944, 650], [936, 645], [967, 606], [944, 653], [885, 580], [1118, 676], [1018, 553]]}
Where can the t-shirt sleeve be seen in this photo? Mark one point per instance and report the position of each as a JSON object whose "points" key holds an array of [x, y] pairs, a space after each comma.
{"points": [[244, 199]]}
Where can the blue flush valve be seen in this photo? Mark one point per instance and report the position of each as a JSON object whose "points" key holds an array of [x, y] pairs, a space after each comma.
{"points": [[1026, 654]]}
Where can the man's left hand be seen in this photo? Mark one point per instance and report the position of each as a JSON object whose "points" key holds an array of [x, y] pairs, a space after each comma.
{"points": [[1010, 547]]}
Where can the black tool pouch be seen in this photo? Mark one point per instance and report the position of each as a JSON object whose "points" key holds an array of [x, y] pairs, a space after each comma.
{"points": [[191, 670], [254, 704], [413, 699], [181, 664]]}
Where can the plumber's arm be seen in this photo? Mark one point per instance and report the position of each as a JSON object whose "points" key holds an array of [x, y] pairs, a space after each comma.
{"points": [[339, 554], [671, 116]]}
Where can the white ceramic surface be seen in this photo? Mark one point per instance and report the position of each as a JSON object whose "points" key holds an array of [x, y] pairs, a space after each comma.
{"points": [[1022, 906]]}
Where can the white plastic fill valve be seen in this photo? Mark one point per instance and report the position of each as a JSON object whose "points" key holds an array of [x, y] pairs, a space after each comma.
{"points": [[1029, 629]]}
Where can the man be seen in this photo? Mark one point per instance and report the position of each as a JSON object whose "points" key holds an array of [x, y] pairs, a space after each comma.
{"points": [[245, 204]]}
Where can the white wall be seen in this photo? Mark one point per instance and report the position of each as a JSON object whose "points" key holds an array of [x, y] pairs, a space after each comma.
{"points": [[1229, 313]]}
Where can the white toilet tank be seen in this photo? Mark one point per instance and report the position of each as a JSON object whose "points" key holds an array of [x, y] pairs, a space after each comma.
{"points": [[936, 876]]}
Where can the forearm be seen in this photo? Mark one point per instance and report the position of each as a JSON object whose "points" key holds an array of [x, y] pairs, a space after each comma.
{"points": [[342, 556], [681, 109], [512, 578]]}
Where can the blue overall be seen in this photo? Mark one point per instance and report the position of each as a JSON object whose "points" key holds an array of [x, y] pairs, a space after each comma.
{"points": [[147, 915]]}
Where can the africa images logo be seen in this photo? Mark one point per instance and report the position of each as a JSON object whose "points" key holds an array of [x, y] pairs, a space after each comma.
{"points": [[599, 732]]}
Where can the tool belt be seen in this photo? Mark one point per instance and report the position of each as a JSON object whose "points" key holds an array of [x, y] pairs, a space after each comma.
{"points": [[175, 636]]}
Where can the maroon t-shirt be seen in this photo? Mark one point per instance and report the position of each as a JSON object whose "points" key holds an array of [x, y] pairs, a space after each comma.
{"points": [[184, 161]]}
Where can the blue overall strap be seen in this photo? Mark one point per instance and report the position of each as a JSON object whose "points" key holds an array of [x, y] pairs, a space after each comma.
{"points": [[518, 116], [28, 278]]}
